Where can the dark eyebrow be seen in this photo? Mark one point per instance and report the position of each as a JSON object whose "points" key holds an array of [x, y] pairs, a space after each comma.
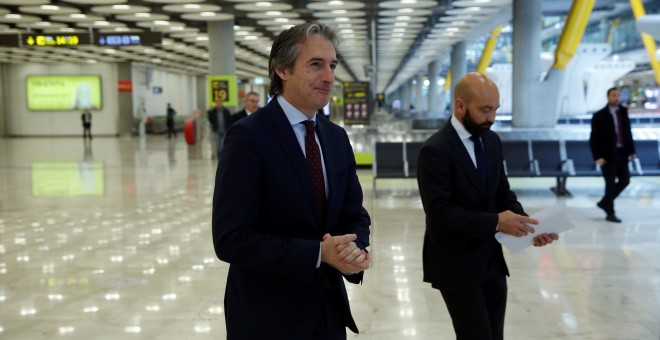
{"points": [[490, 107], [334, 61]]}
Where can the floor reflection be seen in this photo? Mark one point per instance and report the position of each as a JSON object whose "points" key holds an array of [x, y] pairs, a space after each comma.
{"points": [[132, 258]]}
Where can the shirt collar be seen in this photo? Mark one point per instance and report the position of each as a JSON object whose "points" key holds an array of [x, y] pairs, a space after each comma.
{"points": [[463, 134], [292, 114]]}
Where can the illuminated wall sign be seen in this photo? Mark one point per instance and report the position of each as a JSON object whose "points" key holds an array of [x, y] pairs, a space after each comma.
{"points": [[63, 93], [356, 103], [55, 39], [129, 39], [125, 85]]}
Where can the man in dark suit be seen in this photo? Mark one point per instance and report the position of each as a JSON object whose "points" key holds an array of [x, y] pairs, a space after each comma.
{"points": [[287, 207], [467, 200], [612, 145], [86, 118], [170, 113], [251, 106], [220, 119]]}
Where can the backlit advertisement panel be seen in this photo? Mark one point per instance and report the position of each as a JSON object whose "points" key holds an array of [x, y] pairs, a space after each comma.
{"points": [[63, 93]]}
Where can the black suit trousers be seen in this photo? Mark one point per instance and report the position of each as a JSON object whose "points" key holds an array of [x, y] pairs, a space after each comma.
{"points": [[479, 315], [618, 168]]}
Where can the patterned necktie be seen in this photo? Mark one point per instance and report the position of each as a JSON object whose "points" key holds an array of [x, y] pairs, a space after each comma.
{"points": [[480, 155], [619, 133], [314, 163]]}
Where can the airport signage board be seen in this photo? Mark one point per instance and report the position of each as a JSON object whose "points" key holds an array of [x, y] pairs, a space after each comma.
{"points": [[75, 39], [356, 103], [64, 40], [223, 88], [128, 39]]}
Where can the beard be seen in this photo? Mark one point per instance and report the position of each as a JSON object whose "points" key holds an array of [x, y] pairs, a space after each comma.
{"points": [[474, 128]]}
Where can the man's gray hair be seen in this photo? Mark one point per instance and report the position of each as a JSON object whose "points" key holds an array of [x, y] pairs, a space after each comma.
{"points": [[285, 49]]}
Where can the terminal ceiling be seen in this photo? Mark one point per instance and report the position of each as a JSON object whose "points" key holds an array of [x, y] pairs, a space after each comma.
{"points": [[398, 38]]}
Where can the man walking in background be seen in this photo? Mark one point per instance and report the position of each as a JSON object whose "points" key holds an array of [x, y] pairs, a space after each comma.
{"points": [[611, 146], [86, 118], [219, 117], [251, 106]]}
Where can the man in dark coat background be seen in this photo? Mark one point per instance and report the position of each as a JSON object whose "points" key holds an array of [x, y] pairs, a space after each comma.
{"points": [[611, 146]]}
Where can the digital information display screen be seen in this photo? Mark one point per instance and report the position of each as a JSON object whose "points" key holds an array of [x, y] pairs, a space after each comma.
{"points": [[63, 93], [129, 39], [55, 39]]}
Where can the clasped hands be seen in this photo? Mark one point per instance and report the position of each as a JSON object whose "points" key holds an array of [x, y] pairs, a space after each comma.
{"points": [[516, 225], [341, 253]]}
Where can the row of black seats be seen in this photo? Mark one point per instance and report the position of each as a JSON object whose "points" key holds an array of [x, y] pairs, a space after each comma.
{"points": [[545, 158], [395, 160], [522, 158]]}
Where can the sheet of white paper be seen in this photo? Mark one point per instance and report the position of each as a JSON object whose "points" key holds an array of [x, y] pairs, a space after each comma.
{"points": [[551, 220]]}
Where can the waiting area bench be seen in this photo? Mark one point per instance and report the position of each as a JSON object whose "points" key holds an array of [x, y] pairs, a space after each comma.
{"points": [[571, 158], [522, 158], [395, 160]]}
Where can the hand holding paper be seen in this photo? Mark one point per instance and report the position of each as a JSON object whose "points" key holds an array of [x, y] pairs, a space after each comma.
{"points": [[550, 220]]}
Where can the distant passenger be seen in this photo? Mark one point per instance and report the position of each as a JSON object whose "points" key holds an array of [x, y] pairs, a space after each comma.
{"points": [[170, 121], [220, 119], [86, 118], [612, 145], [287, 206], [251, 106]]}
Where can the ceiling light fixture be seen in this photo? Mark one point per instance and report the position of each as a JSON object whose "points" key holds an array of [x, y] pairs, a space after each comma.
{"points": [[50, 7]]}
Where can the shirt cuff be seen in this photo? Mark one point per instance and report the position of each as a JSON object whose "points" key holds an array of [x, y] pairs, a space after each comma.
{"points": [[318, 262]]}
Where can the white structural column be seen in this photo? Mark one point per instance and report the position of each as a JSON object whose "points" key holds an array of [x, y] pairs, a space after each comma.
{"points": [[407, 94], [420, 104], [222, 57], [458, 66], [434, 90], [526, 63]]}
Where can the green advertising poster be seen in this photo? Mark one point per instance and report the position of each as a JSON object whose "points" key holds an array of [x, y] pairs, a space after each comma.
{"points": [[224, 88], [63, 93]]}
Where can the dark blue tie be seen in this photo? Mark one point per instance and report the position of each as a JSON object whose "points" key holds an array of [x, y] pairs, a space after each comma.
{"points": [[480, 155]]}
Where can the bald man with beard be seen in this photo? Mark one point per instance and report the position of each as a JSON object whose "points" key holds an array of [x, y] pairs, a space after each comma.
{"points": [[467, 201]]}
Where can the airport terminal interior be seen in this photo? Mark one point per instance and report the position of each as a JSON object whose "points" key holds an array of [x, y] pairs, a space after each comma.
{"points": [[109, 237]]}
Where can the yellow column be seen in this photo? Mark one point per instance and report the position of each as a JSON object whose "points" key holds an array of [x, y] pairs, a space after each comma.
{"points": [[649, 43], [487, 54], [576, 21], [447, 81]]}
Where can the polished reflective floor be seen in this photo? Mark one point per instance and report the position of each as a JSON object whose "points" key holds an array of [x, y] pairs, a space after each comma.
{"points": [[110, 239]]}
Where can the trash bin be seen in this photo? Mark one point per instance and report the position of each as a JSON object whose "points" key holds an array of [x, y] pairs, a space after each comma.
{"points": [[190, 130]]}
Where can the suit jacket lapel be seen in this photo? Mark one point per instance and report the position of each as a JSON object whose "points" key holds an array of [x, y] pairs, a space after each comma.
{"points": [[287, 139], [463, 157]]}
